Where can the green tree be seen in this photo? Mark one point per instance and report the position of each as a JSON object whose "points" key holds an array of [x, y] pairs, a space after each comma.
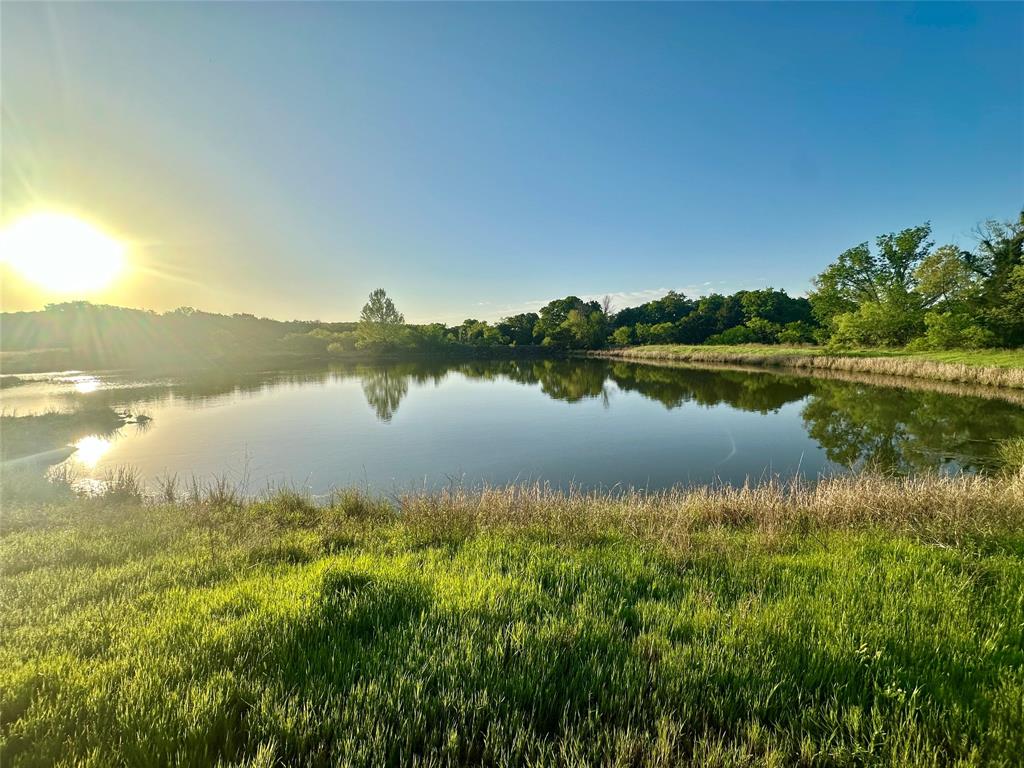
{"points": [[871, 297], [571, 323], [518, 329], [381, 325], [670, 308], [999, 263], [799, 332], [944, 279], [952, 330], [622, 336], [587, 327], [774, 306], [477, 333]]}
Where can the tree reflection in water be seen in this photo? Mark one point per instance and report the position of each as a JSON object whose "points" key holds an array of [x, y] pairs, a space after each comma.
{"points": [[384, 390], [887, 428], [857, 424]]}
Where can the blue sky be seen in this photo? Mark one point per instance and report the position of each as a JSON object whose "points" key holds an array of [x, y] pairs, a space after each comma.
{"points": [[478, 160]]}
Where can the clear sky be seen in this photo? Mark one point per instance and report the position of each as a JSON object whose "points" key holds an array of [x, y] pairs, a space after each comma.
{"points": [[478, 160]]}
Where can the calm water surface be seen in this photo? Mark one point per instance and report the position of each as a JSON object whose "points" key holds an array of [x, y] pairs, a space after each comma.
{"points": [[591, 423]]}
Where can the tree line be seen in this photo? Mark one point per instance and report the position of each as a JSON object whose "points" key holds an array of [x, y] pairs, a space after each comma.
{"points": [[902, 291]]}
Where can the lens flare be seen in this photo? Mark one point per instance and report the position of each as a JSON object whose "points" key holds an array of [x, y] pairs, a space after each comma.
{"points": [[61, 253]]}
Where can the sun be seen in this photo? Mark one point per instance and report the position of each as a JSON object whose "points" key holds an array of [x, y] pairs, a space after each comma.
{"points": [[61, 253]]}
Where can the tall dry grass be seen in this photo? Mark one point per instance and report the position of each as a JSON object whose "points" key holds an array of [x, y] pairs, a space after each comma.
{"points": [[939, 508], [942, 507], [910, 366]]}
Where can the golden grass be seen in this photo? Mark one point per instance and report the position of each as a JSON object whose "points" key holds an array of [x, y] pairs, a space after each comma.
{"points": [[942, 507], [912, 366], [936, 507]]}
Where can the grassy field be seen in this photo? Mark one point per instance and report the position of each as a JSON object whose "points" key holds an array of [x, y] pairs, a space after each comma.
{"points": [[989, 367], [861, 621]]}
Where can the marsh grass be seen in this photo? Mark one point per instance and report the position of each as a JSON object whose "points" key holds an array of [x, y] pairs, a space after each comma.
{"points": [[990, 368], [861, 620]]}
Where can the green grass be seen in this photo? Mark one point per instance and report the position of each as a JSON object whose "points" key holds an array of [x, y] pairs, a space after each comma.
{"points": [[862, 621]]}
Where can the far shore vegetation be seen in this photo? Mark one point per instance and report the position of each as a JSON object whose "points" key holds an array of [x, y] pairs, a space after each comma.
{"points": [[986, 367], [860, 620], [905, 294]]}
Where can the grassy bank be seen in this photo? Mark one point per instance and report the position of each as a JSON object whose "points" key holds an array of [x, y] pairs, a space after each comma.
{"points": [[993, 368], [860, 621]]}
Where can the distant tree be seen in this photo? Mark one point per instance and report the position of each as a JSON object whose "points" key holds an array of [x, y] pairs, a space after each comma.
{"points": [[696, 327], [430, 337], [477, 332], [343, 342], [606, 307], [587, 327], [670, 308], [381, 325], [774, 306], [657, 333], [571, 323], [381, 310], [518, 329], [764, 331]]}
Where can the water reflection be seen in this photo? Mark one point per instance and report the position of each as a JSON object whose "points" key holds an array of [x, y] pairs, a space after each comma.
{"points": [[384, 390], [856, 424], [85, 384], [89, 450]]}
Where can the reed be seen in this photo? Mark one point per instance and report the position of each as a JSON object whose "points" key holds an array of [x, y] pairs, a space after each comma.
{"points": [[990, 369]]}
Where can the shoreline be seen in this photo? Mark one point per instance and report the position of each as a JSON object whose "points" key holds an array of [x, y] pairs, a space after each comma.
{"points": [[908, 366]]}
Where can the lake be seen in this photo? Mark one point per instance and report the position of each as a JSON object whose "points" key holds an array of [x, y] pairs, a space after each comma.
{"points": [[589, 423]]}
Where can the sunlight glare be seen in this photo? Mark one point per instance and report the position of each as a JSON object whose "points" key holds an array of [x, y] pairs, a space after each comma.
{"points": [[85, 384], [90, 450], [61, 253]]}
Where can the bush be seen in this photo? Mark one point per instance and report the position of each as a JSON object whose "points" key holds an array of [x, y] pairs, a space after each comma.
{"points": [[952, 330], [739, 334], [875, 324], [343, 342], [798, 332], [765, 331], [659, 333], [623, 336]]}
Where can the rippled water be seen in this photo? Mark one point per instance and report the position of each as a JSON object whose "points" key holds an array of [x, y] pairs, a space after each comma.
{"points": [[585, 422]]}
